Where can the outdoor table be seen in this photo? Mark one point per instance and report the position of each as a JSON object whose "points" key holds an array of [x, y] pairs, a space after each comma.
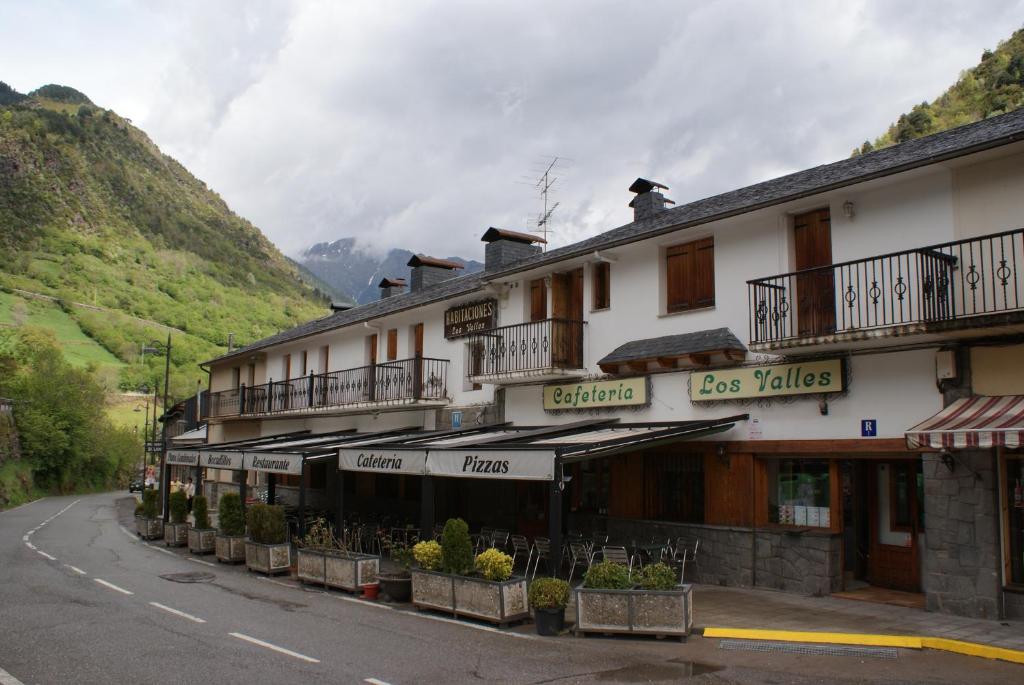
{"points": [[652, 551]]}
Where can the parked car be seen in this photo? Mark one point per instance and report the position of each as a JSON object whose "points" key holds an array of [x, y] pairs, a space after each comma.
{"points": [[135, 485]]}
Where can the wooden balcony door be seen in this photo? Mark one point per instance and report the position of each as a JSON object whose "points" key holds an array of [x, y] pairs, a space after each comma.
{"points": [[815, 292], [567, 304], [417, 353]]}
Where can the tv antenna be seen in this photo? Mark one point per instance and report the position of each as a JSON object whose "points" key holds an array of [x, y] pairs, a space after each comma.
{"points": [[549, 176]]}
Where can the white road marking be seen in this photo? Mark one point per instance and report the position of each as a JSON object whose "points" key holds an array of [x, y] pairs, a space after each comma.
{"points": [[25, 537], [169, 610], [113, 587], [5, 677], [275, 648], [374, 681], [200, 561], [486, 629], [30, 545], [127, 532], [44, 554], [162, 550], [75, 569]]}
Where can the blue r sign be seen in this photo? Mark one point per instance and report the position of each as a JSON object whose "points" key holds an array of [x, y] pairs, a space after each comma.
{"points": [[456, 419], [868, 428]]}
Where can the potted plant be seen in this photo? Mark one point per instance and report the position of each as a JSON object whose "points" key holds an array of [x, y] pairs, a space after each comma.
{"points": [[267, 550], [176, 530], [324, 560], [610, 602], [229, 542], [549, 597], [481, 588], [148, 523], [397, 586], [201, 535]]}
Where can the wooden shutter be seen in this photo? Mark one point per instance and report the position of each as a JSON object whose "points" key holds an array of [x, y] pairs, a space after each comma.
{"points": [[602, 285], [538, 300], [392, 344], [417, 337], [371, 349], [704, 273], [286, 367], [325, 354], [690, 275]]}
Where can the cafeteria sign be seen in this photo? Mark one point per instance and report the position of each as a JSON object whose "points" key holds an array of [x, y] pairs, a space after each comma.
{"points": [[775, 380], [469, 318], [625, 392]]}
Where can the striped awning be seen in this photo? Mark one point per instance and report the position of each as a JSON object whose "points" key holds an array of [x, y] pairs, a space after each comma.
{"points": [[973, 422]]}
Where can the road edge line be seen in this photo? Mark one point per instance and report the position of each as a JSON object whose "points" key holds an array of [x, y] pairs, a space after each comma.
{"points": [[6, 678]]}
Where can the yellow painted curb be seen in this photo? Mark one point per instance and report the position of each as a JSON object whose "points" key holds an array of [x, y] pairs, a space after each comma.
{"points": [[868, 640]]}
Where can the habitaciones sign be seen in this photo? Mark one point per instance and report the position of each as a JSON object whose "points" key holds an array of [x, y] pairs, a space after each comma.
{"points": [[805, 378], [625, 392], [382, 460], [469, 318]]}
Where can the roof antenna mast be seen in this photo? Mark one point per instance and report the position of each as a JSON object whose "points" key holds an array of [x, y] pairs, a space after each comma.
{"points": [[545, 184]]}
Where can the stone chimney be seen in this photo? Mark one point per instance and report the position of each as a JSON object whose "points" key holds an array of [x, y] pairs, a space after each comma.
{"points": [[505, 247], [341, 306], [649, 200], [391, 286], [427, 271]]}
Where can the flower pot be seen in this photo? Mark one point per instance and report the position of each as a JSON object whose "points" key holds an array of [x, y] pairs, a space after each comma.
{"points": [[486, 600], [549, 622], [397, 586], [350, 571], [370, 591], [635, 612], [201, 540], [230, 548], [175, 534], [269, 559], [149, 529]]}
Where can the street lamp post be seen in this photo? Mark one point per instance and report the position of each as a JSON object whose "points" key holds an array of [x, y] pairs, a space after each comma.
{"points": [[165, 486]]}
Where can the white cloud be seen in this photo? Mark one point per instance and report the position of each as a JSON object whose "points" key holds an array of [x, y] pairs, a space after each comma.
{"points": [[408, 124]]}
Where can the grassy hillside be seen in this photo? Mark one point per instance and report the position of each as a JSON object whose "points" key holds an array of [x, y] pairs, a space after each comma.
{"points": [[91, 212], [994, 86]]}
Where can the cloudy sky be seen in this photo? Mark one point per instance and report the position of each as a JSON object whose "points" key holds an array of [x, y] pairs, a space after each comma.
{"points": [[415, 124]]}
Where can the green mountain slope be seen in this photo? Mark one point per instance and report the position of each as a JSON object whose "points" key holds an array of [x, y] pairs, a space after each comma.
{"points": [[995, 86], [92, 213]]}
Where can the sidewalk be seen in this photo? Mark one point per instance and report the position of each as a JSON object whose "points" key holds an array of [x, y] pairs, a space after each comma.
{"points": [[720, 607]]}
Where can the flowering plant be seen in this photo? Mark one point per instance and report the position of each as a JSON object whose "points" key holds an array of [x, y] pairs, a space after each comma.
{"points": [[493, 564], [427, 555]]}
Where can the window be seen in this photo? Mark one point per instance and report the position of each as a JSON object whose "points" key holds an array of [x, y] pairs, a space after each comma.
{"points": [[675, 487], [799, 492], [324, 358], [602, 285], [286, 367], [392, 344], [474, 364], [906, 493], [690, 275], [236, 377]]}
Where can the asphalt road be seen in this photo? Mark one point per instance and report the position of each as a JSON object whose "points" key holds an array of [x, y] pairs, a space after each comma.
{"points": [[82, 600]]}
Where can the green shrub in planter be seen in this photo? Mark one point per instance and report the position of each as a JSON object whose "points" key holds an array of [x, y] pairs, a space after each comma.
{"points": [[319, 536], [150, 504], [139, 507], [549, 593], [493, 564], [607, 575], [403, 556], [266, 524], [428, 555], [178, 506], [658, 577], [456, 548], [201, 511], [229, 514]]}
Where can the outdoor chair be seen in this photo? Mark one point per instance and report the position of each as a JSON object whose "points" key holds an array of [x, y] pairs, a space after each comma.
{"points": [[482, 540], [520, 547], [499, 539], [619, 555], [579, 555], [542, 550], [684, 552]]}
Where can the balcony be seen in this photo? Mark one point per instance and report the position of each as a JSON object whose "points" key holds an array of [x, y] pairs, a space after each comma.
{"points": [[526, 352], [959, 289], [421, 381]]}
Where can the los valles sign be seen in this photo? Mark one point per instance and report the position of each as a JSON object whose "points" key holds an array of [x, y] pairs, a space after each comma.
{"points": [[776, 380]]}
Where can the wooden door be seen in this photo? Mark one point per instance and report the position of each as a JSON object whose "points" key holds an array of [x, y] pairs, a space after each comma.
{"points": [[894, 558], [392, 344], [371, 370], [567, 313], [417, 353], [815, 291], [538, 300], [285, 394]]}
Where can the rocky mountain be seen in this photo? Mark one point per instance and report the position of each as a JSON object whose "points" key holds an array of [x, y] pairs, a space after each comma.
{"points": [[994, 86], [355, 274], [110, 244]]}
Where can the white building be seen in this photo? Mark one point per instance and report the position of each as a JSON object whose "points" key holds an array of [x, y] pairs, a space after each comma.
{"points": [[660, 381]]}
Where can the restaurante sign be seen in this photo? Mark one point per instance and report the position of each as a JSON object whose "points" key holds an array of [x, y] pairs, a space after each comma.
{"points": [[624, 392], [775, 380], [469, 318]]}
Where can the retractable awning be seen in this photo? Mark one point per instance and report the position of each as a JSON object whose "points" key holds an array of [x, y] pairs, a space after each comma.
{"points": [[977, 421], [513, 453]]}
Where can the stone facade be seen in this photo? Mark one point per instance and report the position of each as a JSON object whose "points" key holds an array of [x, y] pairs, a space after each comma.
{"points": [[960, 571], [805, 562]]}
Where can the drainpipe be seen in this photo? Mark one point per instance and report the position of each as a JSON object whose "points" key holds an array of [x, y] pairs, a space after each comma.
{"points": [[753, 524]]}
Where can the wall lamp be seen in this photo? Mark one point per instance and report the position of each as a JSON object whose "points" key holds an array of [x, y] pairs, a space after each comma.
{"points": [[948, 460], [848, 209], [723, 457]]}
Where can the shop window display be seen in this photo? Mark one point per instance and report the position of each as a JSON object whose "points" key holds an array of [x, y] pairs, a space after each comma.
{"points": [[799, 493]]}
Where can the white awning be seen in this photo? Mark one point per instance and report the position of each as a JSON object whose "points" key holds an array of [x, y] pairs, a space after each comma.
{"points": [[192, 436], [977, 421], [273, 462], [382, 460], [221, 459], [500, 464], [183, 457]]}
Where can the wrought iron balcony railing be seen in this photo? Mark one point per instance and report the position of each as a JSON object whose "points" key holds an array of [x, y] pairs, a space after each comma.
{"points": [[394, 382], [942, 283], [523, 348]]}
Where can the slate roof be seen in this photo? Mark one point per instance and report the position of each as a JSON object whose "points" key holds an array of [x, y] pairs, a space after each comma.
{"points": [[957, 142], [674, 346]]}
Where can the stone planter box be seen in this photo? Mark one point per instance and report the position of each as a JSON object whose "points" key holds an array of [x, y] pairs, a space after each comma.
{"points": [[497, 602], [149, 529], [269, 559], [201, 540], [337, 569], [635, 612], [175, 534], [230, 549]]}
